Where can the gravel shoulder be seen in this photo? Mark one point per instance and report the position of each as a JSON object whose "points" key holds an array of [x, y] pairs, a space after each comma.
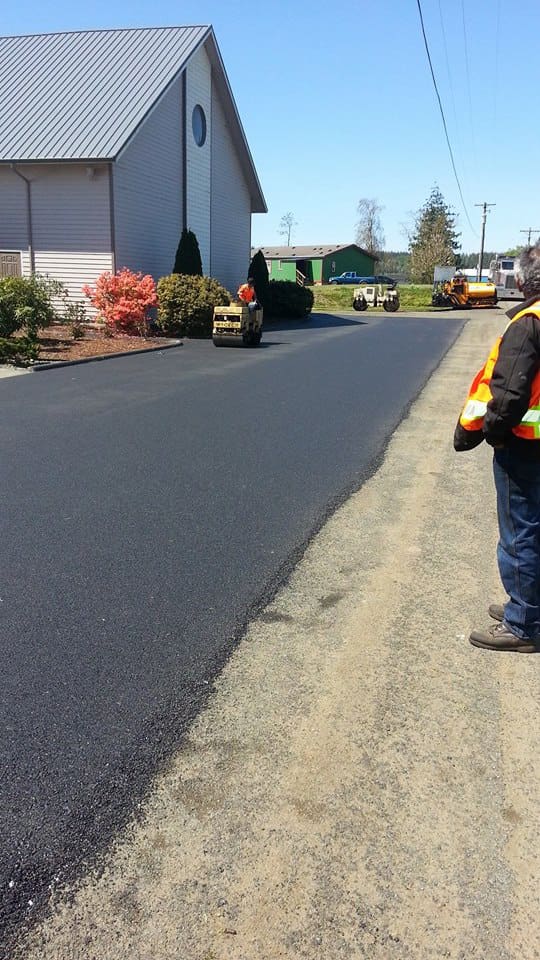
{"points": [[363, 783]]}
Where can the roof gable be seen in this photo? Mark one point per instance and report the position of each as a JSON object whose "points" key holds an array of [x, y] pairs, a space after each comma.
{"points": [[308, 253], [82, 95], [79, 96], [219, 75]]}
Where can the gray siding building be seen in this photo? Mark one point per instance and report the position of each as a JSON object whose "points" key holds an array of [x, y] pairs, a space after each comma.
{"points": [[110, 142]]}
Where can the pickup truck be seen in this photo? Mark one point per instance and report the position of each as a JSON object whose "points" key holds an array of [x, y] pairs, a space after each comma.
{"points": [[355, 278], [349, 277]]}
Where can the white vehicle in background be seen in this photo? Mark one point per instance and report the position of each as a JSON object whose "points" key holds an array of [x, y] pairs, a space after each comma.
{"points": [[501, 273], [373, 294], [472, 272]]}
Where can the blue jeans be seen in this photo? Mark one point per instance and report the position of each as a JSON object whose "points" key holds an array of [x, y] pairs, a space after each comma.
{"points": [[517, 482]]}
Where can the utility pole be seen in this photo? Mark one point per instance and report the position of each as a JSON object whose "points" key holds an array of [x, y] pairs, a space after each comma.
{"points": [[529, 231], [481, 257]]}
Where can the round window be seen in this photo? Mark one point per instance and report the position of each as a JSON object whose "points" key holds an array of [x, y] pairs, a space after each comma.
{"points": [[198, 122]]}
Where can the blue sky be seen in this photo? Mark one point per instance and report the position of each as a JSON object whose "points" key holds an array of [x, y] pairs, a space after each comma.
{"points": [[337, 104]]}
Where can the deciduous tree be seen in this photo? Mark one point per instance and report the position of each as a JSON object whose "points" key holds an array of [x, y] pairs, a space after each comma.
{"points": [[287, 225], [369, 231]]}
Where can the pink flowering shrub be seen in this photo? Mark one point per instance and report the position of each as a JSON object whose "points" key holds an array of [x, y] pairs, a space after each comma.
{"points": [[123, 299]]}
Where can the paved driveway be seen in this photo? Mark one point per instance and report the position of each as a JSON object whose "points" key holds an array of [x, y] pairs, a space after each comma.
{"points": [[150, 505]]}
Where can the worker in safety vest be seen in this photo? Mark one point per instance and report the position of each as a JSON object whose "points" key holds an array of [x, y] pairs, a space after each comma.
{"points": [[246, 293], [503, 408]]}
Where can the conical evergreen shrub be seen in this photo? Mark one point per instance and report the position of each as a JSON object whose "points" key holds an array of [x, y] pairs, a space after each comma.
{"points": [[259, 272], [188, 256]]}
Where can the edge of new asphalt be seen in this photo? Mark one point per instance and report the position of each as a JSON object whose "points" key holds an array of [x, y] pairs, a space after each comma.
{"points": [[57, 364], [10, 370]]}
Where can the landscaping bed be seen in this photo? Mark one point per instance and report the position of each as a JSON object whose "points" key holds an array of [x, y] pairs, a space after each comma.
{"points": [[57, 343]]}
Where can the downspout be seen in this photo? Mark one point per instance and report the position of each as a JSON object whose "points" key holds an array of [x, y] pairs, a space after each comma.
{"points": [[211, 147], [112, 223], [28, 217], [184, 153]]}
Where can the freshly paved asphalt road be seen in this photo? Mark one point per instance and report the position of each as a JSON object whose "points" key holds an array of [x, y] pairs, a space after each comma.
{"points": [[150, 504]]}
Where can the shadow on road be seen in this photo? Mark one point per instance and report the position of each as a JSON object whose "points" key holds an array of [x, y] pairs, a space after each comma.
{"points": [[264, 344], [315, 321]]}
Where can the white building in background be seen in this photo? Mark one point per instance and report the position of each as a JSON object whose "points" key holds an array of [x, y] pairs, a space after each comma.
{"points": [[111, 141]]}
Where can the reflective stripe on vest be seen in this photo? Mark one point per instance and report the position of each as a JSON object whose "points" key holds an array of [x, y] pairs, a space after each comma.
{"points": [[474, 411]]}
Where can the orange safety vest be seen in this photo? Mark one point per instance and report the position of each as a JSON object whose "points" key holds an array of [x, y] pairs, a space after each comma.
{"points": [[474, 411], [246, 293]]}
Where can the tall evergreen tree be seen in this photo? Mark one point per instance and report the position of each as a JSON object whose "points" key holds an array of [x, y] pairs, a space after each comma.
{"points": [[259, 272], [188, 256], [434, 240]]}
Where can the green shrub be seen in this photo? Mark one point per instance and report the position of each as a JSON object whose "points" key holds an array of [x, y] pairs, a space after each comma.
{"points": [[288, 299], [188, 256], [26, 304], [186, 304], [75, 317], [18, 349]]}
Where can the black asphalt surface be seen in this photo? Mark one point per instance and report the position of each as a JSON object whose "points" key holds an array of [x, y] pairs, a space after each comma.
{"points": [[150, 505]]}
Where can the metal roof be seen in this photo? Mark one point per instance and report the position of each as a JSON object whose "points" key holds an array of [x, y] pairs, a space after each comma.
{"points": [[71, 96], [306, 253], [82, 95]]}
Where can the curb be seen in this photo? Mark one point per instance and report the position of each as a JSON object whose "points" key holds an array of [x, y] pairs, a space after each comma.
{"points": [[56, 364]]}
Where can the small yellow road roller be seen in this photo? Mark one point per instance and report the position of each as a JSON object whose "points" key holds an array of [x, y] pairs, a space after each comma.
{"points": [[237, 325]]}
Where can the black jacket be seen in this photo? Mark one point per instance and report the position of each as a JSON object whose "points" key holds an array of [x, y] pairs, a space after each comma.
{"points": [[511, 381]]}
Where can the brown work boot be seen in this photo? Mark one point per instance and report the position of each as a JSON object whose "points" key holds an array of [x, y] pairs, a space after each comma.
{"points": [[496, 611], [499, 637]]}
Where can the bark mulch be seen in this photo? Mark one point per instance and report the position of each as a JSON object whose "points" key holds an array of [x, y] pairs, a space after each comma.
{"points": [[57, 343]]}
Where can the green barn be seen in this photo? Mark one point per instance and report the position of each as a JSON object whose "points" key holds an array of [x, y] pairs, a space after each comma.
{"points": [[315, 265]]}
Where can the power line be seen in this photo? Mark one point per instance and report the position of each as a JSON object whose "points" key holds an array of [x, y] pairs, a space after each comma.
{"points": [[447, 58], [459, 152], [468, 80], [443, 116]]}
